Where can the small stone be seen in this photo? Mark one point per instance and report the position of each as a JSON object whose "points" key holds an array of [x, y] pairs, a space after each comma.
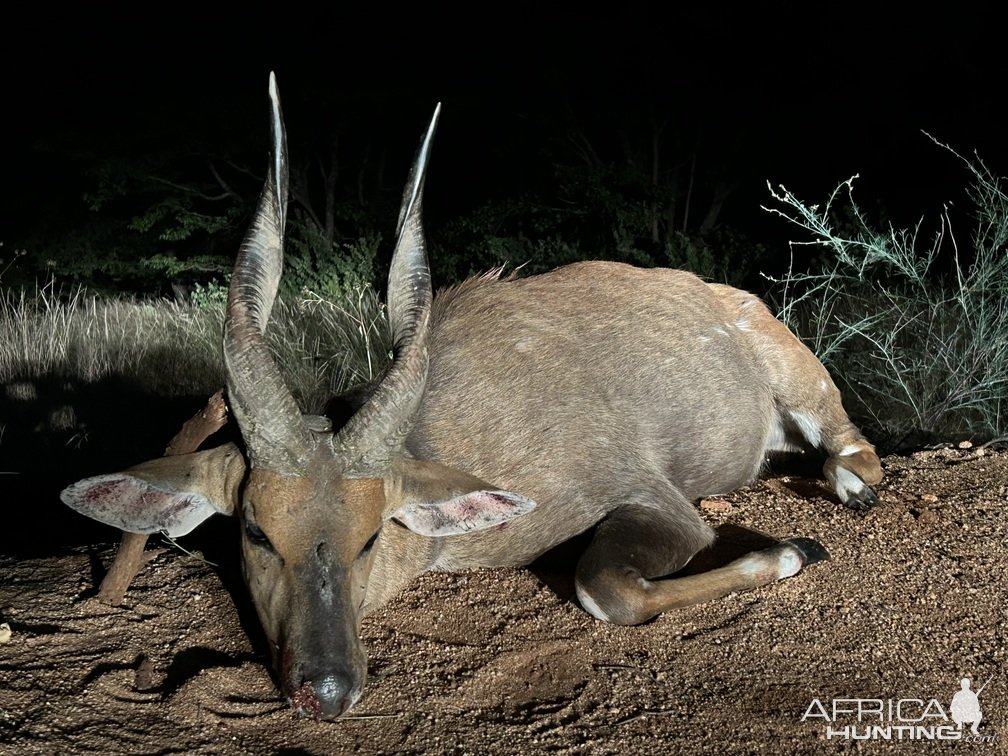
{"points": [[5, 633], [965, 444], [143, 676], [714, 505], [929, 497]]}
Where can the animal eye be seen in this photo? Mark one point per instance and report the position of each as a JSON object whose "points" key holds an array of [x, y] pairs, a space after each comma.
{"points": [[256, 535], [370, 543]]}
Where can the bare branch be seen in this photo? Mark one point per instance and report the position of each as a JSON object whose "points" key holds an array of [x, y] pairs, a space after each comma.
{"points": [[190, 190], [224, 184], [330, 189], [245, 170], [299, 193], [130, 557]]}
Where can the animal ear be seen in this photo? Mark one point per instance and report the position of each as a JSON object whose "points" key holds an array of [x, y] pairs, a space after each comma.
{"points": [[172, 494], [432, 499]]}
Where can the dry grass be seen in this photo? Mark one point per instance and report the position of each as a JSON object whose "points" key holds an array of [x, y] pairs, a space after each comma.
{"points": [[173, 349], [916, 326]]}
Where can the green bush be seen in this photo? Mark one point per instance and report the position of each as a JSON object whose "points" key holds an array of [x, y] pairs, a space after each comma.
{"points": [[329, 269], [914, 328]]}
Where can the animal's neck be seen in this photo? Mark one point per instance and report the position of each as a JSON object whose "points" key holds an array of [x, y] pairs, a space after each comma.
{"points": [[399, 556]]}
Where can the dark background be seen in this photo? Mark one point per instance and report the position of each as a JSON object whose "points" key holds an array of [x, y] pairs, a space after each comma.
{"points": [[797, 94]]}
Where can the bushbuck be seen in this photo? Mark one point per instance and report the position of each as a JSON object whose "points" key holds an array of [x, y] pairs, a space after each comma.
{"points": [[515, 415]]}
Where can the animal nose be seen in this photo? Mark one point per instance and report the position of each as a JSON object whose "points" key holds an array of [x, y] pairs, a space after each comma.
{"points": [[334, 693], [325, 696]]}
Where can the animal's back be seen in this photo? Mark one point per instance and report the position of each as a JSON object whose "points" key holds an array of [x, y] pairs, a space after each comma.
{"points": [[586, 388]]}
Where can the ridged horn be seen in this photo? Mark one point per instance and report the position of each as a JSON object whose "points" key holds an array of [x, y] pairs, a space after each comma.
{"points": [[376, 432], [267, 414]]}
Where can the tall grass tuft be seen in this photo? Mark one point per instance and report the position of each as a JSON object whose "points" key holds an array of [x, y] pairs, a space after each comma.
{"points": [[174, 349], [324, 347], [914, 329]]}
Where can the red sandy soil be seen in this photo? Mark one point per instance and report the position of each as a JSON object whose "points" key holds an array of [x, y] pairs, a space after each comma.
{"points": [[505, 662]]}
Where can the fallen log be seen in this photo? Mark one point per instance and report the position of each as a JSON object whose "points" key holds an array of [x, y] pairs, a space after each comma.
{"points": [[130, 557]]}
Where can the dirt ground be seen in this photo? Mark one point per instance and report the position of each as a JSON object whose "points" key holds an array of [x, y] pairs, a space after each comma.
{"points": [[504, 662]]}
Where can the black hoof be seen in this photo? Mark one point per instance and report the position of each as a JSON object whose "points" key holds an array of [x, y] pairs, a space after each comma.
{"points": [[811, 550], [863, 500]]}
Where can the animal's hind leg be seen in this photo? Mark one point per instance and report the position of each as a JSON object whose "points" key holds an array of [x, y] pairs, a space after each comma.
{"points": [[810, 413], [618, 577]]}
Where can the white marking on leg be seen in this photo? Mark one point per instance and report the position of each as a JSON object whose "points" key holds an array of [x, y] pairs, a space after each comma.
{"points": [[588, 603], [850, 449], [788, 563], [772, 564], [753, 565], [847, 484], [777, 440], [808, 426]]}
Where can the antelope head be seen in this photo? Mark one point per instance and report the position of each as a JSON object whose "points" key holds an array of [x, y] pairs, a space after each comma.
{"points": [[333, 522]]}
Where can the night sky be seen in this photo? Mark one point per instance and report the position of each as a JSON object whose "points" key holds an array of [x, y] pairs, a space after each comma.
{"points": [[801, 96]]}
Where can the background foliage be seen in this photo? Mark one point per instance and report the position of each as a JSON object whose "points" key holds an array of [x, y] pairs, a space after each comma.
{"points": [[157, 218], [910, 321]]}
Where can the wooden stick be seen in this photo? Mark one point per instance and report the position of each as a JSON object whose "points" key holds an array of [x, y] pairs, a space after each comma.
{"points": [[129, 559]]}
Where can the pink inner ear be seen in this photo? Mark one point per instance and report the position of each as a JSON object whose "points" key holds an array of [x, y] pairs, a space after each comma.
{"points": [[124, 495], [473, 511], [136, 505], [479, 506]]}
